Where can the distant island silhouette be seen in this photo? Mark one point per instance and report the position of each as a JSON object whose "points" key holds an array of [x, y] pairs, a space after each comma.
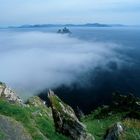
{"points": [[65, 30], [68, 25]]}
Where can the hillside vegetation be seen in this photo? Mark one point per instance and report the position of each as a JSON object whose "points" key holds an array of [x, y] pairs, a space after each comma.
{"points": [[34, 120]]}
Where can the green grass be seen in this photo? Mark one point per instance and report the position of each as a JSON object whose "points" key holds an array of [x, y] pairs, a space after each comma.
{"points": [[99, 126], [38, 126], [41, 125], [46, 127], [2, 135]]}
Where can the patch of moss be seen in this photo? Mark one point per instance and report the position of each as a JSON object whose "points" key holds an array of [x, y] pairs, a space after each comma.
{"points": [[55, 101], [2, 134], [132, 129]]}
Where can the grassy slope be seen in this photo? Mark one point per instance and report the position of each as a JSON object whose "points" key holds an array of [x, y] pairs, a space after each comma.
{"points": [[41, 125], [38, 126], [98, 126]]}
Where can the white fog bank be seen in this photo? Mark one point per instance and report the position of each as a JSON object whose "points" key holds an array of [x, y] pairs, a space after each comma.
{"points": [[33, 61]]}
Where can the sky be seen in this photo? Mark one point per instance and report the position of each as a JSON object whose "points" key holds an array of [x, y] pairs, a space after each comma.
{"points": [[17, 12]]}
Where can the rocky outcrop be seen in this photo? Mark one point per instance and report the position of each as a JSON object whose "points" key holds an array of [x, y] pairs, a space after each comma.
{"points": [[7, 93], [79, 113], [66, 121], [35, 101], [114, 132], [12, 130]]}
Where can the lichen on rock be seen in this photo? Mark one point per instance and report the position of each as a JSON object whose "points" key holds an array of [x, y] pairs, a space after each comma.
{"points": [[8, 94]]}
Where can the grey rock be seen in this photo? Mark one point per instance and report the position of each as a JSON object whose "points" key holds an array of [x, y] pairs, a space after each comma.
{"points": [[66, 121], [12, 130], [79, 113], [10, 95], [114, 132]]}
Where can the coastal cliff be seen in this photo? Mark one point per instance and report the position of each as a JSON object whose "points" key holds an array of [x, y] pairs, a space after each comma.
{"points": [[55, 120]]}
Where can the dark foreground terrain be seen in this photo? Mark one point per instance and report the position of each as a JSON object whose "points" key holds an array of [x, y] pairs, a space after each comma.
{"points": [[35, 120]]}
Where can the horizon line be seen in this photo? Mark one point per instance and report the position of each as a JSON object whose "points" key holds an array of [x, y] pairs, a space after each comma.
{"points": [[68, 24]]}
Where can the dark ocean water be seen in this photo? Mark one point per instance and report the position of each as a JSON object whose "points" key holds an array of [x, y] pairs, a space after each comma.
{"points": [[100, 83]]}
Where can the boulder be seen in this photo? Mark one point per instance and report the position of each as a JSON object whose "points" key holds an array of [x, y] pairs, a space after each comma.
{"points": [[66, 121], [114, 132]]}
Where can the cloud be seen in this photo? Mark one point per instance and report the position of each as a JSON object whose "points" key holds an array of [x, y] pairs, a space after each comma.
{"points": [[33, 61]]}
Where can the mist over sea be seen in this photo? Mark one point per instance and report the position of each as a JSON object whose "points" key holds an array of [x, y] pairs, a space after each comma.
{"points": [[83, 68]]}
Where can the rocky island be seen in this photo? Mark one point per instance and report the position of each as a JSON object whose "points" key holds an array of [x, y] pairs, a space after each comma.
{"points": [[65, 30]]}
